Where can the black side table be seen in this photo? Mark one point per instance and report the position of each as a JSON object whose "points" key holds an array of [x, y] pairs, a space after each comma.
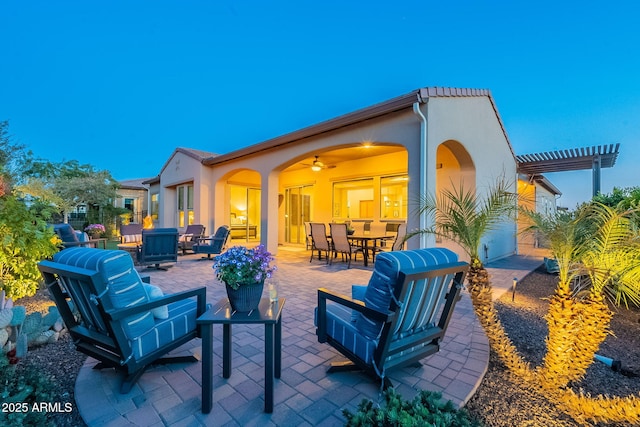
{"points": [[221, 313]]}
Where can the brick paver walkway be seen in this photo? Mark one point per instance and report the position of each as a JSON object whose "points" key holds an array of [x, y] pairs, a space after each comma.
{"points": [[305, 395]]}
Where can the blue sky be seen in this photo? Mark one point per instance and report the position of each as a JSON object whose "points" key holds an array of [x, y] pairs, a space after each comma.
{"points": [[121, 84]]}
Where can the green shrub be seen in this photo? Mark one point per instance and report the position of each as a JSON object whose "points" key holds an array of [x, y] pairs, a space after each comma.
{"points": [[26, 240], [427, 409]]}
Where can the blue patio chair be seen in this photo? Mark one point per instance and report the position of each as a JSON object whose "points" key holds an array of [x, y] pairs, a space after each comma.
{"points": [[399, 318], [70, 237], [214, 244], [159, 245], [114, 317], [190, 237]]}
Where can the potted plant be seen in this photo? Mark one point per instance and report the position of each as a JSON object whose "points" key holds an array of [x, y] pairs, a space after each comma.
{"points": [[94, 230], [244, 271]]}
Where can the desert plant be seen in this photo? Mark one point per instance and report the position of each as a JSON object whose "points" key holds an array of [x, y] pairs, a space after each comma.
{"points": [[427, 409], [600, 244], [19, 391], [465, 217]]}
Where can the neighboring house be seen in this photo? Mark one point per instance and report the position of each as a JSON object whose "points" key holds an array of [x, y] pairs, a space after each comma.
{"points": [[369, 166], [133, 195]]}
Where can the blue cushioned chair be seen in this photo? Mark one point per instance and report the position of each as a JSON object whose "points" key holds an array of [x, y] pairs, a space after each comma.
{"points": [[399, 317], [159, 245], [213, 245], [71, 237], [190, 237], [114, 317]]}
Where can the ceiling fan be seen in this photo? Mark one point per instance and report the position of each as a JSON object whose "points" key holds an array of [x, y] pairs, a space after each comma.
{"points": [[317, 165]]}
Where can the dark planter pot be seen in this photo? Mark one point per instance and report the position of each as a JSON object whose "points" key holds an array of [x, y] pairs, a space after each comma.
{"points": [[246, 297]]}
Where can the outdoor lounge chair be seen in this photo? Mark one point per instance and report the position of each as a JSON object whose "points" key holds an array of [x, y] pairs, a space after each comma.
{"points": [[399, 318], [131, 233], [73, 238], [214, 244], [159, 245], [114, 317], [190, 237]]}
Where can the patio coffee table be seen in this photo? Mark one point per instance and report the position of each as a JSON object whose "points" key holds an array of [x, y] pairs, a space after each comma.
{"points": [[221, 313]]}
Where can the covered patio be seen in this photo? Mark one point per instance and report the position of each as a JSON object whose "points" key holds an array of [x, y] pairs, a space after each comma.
{"points": [[305, 395]]}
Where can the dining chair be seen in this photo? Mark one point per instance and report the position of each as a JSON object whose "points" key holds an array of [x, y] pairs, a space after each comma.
{"points": [[307, 236], [320, 240], [341, 243], [358, 227]]}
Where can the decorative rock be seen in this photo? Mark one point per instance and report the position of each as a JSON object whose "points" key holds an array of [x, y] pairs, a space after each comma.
{"points": [[54, 337], [59, 325]]}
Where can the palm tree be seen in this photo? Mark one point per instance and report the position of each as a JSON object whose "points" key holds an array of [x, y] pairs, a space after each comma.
{"points": [[464, 217], [598, 254], [461, 215], [598, 243]]}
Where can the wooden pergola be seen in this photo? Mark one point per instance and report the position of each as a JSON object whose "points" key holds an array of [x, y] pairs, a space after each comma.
{"points": [[594, 158]]}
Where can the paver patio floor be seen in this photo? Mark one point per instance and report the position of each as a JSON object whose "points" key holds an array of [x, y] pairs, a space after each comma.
{"points": [[305, 395]]}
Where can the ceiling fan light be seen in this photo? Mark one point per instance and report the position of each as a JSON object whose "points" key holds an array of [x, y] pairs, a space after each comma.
{"points": [[316, 167]]}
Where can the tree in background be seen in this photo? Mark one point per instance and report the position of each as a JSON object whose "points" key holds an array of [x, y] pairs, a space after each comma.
{"points": [[52, 189], [622, 198]]}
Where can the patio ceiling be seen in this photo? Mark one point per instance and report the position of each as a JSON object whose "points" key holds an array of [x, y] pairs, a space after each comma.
{"points": [[333, 157]]}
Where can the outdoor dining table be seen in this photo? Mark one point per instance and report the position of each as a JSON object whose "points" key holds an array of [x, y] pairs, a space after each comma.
{"points": [[368, 242]]}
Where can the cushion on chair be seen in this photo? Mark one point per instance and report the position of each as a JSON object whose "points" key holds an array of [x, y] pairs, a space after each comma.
{"points": [[66, 233], [124, 286], [154, 292], [132, 238], [385, 274], [180, 321], [357, 292], [341, 328]]}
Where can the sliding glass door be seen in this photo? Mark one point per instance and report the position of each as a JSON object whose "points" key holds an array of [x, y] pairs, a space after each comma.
{"points": [[245, 213], [297, 212]]}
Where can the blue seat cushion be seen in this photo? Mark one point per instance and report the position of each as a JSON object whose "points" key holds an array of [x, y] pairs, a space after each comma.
{"points": [[181, 321], [340, 327], [66, 233], [384, 280], [120, 285]]}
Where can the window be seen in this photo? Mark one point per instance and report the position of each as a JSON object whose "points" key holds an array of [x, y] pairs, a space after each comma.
{"points": [[393, 197], [185, 205], [155, 204], [353, 199], [129, 204]]}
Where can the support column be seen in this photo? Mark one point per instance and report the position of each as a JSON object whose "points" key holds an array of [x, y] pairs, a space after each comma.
{"points": [[269, 220], [597, 164]]}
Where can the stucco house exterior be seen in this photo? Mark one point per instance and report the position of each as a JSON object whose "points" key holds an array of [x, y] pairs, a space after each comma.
{"points": [[133, 195], [369, 166]]}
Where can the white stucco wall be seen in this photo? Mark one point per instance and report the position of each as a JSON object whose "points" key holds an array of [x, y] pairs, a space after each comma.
{"points": [[472, 122]]}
